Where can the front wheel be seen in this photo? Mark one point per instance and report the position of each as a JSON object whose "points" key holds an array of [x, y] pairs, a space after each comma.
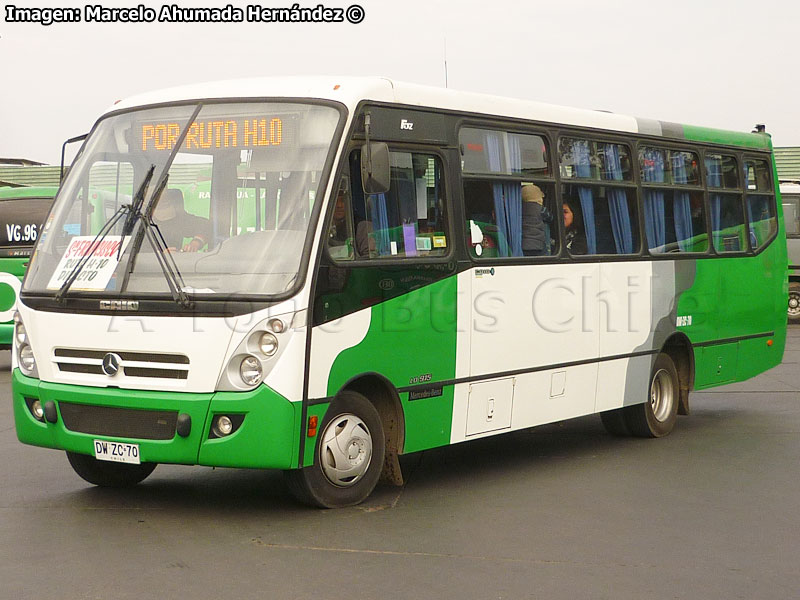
{"points": [[794, 302], [348, 457], [656, 416], [108, 474]]}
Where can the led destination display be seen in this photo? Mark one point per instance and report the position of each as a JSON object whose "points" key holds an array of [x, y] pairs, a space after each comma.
{"points": [[239, 132]]}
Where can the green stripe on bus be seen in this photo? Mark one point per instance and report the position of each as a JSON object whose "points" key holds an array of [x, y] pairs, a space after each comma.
{"points": [[410, 337], [730, 138]]}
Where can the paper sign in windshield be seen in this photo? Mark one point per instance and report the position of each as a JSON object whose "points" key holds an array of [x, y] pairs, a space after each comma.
{"points": [[99, 267]]}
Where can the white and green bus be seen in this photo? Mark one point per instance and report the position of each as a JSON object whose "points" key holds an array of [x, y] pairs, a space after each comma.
{"points": [[321, 275]]}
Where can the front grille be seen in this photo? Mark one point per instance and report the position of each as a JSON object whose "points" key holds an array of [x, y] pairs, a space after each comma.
{"points": [[133, 364], [119, 422]]}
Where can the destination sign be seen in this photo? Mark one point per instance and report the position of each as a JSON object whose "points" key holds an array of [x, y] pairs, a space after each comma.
{"points": [[238, 132]]}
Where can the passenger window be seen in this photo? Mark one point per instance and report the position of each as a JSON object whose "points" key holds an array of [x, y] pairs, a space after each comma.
{"points": [[589, 159], [760, 203], [487, 151], [727, 222], [757, 176], [512, 215], [600, 220], [791, 214], [409, 220], [674, 216], [510, 218], [721, 171], [340, 229]]}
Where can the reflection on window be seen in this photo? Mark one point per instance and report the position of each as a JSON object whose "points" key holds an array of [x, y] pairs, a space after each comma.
{"points": [[727, 223], [407, 221], [487, 151], [761, 215], [721, 171], [589, 159], [757, 176], [674, 218]]}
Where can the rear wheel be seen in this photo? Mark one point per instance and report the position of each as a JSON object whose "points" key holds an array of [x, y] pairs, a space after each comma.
{"points": [[109, 474], [348, 457], [656, 417], [794, 302]]}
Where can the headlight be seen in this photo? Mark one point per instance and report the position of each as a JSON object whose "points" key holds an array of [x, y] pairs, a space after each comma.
{"points": [[268, 344], [19, 332], [26, 359], [250, 370]]}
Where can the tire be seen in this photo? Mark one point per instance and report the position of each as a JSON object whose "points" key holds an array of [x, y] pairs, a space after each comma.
{"points": [[348, 456], [794, 302], [614, 422], [109, 474], [657, 415]]}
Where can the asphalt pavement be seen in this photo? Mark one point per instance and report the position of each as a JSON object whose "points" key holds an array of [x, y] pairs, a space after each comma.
{"points": [[560, 511]]}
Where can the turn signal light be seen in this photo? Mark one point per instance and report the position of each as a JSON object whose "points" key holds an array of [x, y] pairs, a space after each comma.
{"points": [[313, 421], [769, 342]]}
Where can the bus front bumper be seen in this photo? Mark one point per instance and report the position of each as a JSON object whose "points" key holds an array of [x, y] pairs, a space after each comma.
{"points": [[267, 437]]}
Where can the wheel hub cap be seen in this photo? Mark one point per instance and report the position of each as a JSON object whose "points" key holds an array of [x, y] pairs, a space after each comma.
{"points": [[345, 450]]}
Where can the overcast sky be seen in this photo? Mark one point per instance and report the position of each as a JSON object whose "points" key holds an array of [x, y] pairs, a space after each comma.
{"points": [[728, 64]]}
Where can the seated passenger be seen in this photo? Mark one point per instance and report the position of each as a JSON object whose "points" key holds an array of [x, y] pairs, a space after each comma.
{"points": [[175, 224], [575, 238], [533, 229]]}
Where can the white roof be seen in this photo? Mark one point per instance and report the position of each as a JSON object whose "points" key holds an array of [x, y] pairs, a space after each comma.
{"points": [[351, 90]]}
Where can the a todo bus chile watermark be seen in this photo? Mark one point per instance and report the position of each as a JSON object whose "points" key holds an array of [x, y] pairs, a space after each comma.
{"points": [[172, 13]]}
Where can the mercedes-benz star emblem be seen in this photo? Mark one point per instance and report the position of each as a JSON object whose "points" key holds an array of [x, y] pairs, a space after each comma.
{"points": [[111, 364]]}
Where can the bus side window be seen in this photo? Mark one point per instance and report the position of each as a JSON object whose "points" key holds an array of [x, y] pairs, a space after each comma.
{"points": [[340, 229], [408, 220]]}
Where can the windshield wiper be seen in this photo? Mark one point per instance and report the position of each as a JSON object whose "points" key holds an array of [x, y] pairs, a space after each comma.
{"points": [[149, 229], [124, 210]]}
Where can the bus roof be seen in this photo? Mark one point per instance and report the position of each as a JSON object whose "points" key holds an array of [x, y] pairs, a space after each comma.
{"points": [[352, 90]]}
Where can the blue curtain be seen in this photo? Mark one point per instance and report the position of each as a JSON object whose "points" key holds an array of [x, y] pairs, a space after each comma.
{"points": [[654, 220], [681, 205], [583, 168], [507, 197], [714, 177], [618, 202], [513, 197], [380, 224]]}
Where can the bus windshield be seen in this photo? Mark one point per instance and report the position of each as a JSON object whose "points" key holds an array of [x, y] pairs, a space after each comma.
{"points": [[233, 211]]}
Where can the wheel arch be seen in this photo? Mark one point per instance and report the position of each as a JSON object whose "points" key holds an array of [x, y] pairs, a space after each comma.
{"points": [[382, 394], [679, 348]]}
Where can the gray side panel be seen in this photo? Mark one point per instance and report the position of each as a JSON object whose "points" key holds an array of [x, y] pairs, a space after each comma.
{"points": [[649, 126], [672, 130]]}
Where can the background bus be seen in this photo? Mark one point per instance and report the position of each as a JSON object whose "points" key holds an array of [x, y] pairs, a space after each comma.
{"points": [[22, 214], [790, 197]]}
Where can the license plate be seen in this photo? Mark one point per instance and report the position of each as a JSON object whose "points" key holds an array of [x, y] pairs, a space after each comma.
{"points": [[116, 452]]}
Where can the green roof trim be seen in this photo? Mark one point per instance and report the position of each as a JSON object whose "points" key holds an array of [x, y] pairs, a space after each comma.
{"points": [[759, 141]]}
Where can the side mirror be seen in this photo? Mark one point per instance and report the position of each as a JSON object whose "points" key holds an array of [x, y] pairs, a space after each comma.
{"points": [[375, 169]]}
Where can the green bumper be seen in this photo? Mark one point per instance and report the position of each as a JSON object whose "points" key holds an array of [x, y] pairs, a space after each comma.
{"points": [[267, 438], [6, 334]]}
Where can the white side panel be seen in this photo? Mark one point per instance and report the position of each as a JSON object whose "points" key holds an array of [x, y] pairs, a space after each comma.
{"points": [[286, 377], [531, 316], [535, 402], [328, 341]]}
